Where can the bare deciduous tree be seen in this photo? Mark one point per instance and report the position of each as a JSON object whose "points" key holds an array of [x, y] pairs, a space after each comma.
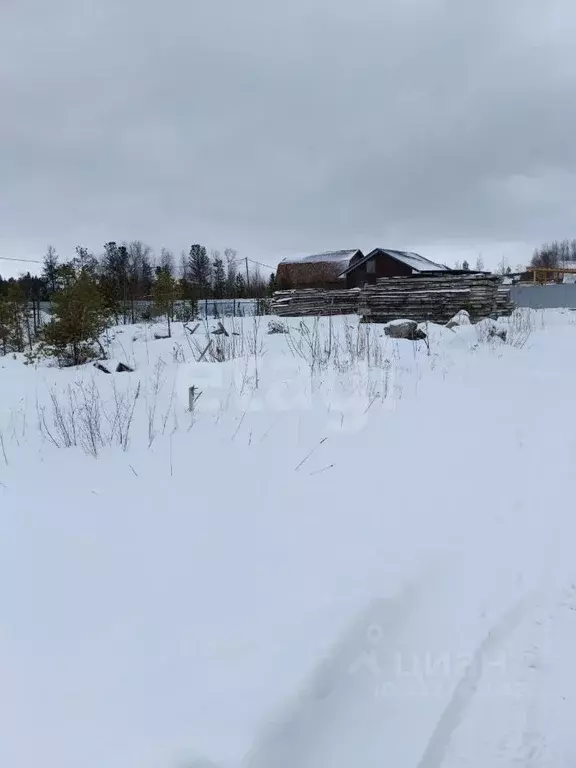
{"points": [[555, 254], [231, 270], [50, 271], [166, 261]]}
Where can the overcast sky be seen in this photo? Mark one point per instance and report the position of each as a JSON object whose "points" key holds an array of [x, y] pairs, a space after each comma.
{"points": [[445, 126]]}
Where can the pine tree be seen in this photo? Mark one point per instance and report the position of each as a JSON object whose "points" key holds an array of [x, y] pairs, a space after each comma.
{"points": [[165, 292], [187, 290], [5, 325], [200, 272], [19, 317], [240, 286], [465, 266], [79, 317], [16, 324], [219, 276], [116, 278], [85, 260], [66, 275], [272, 284]]}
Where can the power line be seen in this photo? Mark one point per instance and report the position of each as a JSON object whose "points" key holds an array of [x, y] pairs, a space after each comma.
{"points": [[37, 261], [25, 261], [262, 265], [253, 261]]}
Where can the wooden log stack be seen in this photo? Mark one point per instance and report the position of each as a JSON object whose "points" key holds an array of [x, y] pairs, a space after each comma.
{"points": [[435, 297], [504, 304], [312, 302]]}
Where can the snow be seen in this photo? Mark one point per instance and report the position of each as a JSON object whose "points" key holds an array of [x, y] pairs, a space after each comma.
{"points": [[461, 318], [417, 262], [338, 257], [413, 260], [356, 551]]}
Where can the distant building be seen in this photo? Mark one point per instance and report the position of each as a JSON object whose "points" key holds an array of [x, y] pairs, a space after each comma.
{"points": [[383, 262], [351, 269], [320, 270]]}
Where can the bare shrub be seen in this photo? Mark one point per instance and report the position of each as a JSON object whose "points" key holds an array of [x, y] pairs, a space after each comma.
{"points": [[80, 418]]}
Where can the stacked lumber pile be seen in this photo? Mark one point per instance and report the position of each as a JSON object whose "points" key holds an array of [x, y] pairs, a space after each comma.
{"points": [[306, 302], [504, 304], [434, 297]]}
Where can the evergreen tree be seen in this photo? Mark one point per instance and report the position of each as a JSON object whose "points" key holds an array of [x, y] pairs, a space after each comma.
{"points": [[465, 266], [79, 318], [115, 279], [5, 325], [240, 286], [200, 271], [66, 274], [85, 260], [272, 287], [19, 317], [219, 276], [187, 290], [15, 319]]}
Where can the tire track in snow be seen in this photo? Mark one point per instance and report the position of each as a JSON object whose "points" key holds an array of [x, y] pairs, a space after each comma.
{"points": [[453, 715], [538, 746], [292, 740], [529, 723]]}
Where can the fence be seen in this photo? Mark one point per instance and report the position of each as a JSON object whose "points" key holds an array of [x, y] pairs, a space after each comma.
{"points": [[544, 296], [209, 308], [229, 307]]}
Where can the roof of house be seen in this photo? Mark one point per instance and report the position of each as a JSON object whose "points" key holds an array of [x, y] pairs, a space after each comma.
{"points": [[412, 260], [327, 257], [316, 269]]}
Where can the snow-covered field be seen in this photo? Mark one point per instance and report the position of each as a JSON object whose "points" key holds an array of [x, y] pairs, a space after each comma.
{"points": [[354, 551]]}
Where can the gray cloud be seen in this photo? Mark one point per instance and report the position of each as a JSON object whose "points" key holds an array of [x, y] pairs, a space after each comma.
{"points": [[294, 126]]}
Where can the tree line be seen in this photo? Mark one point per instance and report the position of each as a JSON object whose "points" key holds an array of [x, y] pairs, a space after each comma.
{"points": [[128, 271], [556, 254], [88, 293]]}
